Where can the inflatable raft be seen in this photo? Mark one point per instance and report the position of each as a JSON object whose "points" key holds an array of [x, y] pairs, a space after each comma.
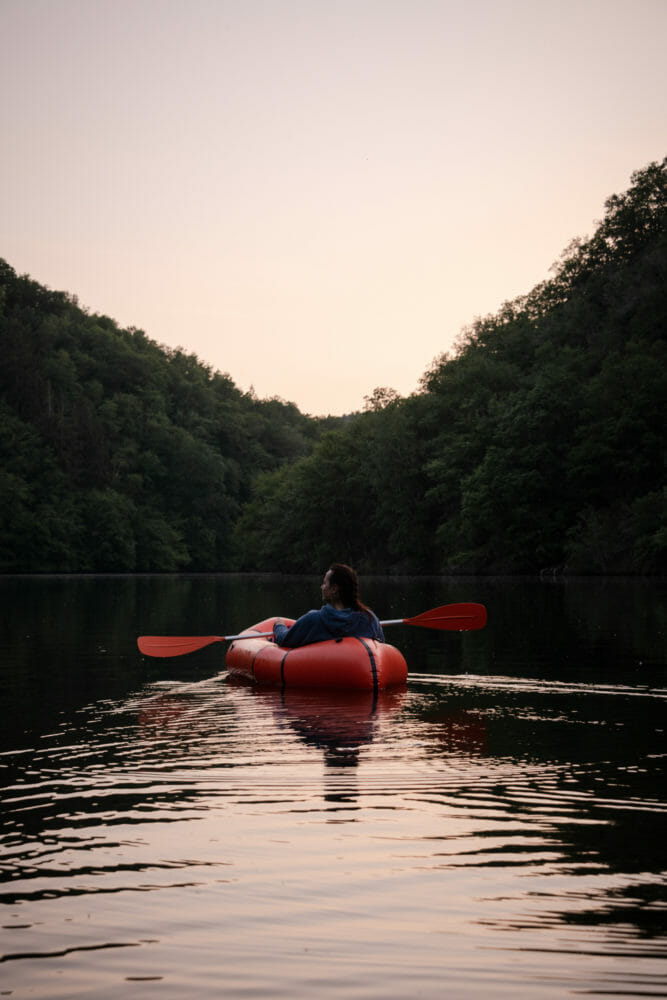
{"points": [[350, 663]]}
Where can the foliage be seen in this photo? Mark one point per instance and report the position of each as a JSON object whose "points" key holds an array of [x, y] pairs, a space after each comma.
{"points": [[538, 445], [117, 454]]}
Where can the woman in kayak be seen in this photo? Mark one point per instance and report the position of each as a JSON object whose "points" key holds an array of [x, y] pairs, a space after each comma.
{"points": [[343, 614]]}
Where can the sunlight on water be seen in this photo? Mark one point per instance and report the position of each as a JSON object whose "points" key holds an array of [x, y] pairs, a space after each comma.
{"points": [[470, 832]]}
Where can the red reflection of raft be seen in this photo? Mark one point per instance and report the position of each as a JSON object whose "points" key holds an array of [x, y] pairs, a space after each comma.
{"points": [[351, 663]]}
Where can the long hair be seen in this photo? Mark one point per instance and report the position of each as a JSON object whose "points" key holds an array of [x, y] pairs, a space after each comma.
{"points": [[347, 581]]}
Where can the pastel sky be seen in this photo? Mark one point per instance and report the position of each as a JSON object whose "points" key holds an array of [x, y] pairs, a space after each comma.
{"points": [[317, 197]]}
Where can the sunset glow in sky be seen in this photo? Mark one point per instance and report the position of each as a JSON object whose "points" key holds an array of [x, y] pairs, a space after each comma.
{"points": [[317, 197]]}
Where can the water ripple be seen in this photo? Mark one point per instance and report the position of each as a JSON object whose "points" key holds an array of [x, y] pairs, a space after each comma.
{"points": [[505, 804]]}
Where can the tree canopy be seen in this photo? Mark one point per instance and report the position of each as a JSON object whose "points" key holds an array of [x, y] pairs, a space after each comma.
{"points": [[118, 454], [538, 444]]}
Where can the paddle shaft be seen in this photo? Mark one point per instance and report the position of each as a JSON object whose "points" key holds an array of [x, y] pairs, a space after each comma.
{"points": [[453, 617]]}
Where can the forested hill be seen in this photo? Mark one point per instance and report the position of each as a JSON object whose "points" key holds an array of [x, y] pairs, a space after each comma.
{"points": [[539, 444], [117, 454]]}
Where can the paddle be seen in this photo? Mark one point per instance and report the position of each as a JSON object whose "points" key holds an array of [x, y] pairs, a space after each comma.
{"points": [[179, 645], [454, 617]]}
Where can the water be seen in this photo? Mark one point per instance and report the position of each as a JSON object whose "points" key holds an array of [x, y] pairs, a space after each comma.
{"points": [[499, 824]]}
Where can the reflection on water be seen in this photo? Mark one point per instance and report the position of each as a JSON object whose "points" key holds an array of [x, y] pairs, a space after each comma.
{"points": [[499, 823]]}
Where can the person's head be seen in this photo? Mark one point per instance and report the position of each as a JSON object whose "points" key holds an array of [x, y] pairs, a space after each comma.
{"points": [[341, 586]]}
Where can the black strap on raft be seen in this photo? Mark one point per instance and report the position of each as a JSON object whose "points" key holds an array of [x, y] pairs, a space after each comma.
{"points": [[371, 657], [282, 667]]}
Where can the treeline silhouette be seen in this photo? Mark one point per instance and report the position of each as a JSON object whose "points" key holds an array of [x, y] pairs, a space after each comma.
{"points": [[117, 454], [538, 445]]}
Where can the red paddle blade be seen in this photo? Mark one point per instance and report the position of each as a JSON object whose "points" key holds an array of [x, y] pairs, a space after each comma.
{"points": [[174, 645], [455, 617]]}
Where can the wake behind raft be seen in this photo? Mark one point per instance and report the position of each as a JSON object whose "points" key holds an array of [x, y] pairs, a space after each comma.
{"points": [[351, 663]]}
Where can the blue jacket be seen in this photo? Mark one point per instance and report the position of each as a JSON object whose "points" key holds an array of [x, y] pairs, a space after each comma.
{"points": [[328, 623]]}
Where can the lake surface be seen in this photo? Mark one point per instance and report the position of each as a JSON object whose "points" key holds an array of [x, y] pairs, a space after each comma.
{"points": [[499, 825]]}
